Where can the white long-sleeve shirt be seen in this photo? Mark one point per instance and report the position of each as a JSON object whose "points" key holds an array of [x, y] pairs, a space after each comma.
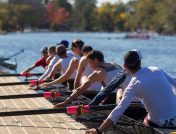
{"points": [[154, 87], [50, 66]]}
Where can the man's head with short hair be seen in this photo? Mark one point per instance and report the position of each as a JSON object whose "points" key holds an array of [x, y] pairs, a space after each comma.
{"points": [[77, 46], [86, 49], [61, 50], [52, 50], [93, 55], [78, 43], [44, 51], [95, 58], [132, 60]]}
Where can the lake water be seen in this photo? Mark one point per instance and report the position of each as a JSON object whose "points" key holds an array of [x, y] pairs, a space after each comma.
{"points": [[159, 50]]}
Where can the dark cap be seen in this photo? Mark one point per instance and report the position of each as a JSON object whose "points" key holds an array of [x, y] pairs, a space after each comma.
{"points": [[78, 43], [64, 42], [132, 57], [61, 49], [44, 50]]}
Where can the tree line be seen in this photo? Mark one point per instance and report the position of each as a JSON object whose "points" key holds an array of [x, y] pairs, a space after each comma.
{"points": [[84, 15]]}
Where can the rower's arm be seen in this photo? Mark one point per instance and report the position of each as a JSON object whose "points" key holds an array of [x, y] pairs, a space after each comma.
{"points": [[120, 108], [49, 68], [97, 76], [49, 59], [55, 69], [72, 66], [106, 124], [30, 68], [79, 73], [130, 92]]}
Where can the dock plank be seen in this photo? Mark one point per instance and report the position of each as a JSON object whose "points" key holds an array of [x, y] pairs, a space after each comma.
{"points": [[32, 124]]}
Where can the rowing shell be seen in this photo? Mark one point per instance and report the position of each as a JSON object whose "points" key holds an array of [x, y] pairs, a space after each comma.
{"points": [[8, 65], [129, 123]]}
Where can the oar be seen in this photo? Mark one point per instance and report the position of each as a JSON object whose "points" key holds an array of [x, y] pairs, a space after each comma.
{"points": [[68, 110], [32, 82], [47, 95], [21, 74], [13, 55]]}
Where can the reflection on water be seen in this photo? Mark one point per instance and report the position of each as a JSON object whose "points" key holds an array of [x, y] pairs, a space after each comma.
{"points": [[159, 50]]}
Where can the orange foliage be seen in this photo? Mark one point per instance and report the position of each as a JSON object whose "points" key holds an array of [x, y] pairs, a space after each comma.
{"points": [[55, 15]]}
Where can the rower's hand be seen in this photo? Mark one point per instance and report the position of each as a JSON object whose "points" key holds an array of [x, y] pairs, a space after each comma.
{"points": [[73, 90], [91, 131], [45, 85], [59, 105], [35, 88]]}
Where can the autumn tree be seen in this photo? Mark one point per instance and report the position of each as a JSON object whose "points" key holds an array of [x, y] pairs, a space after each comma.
{"points": [[157, 15], [82, 18], [57, 13], [111, 17], [27, 13]]}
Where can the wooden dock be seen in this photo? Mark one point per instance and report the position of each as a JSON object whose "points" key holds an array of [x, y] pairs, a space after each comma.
{"points": [[32, 124]]}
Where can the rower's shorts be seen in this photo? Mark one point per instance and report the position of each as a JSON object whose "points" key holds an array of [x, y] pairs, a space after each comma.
{"points": [[170, 123]]}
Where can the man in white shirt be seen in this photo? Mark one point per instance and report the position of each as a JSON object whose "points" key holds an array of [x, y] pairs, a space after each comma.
{"points": [[154, 87], [55, 58]]}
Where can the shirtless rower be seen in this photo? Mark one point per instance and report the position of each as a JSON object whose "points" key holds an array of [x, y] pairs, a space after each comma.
{"points": [[154, 87], [103, 73], [84, 70]]}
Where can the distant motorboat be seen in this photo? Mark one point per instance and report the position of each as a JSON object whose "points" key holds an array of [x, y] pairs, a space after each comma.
{"points": [[137, 35], [28, 30], [3, 32]]}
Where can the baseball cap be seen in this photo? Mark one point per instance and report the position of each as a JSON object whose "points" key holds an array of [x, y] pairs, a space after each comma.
{"points": [[60, 49], [64, 42], [132, 57], [44, 50]]}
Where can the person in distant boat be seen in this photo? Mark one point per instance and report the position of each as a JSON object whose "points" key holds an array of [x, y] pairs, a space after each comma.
{"points": [[73, 65], [39, 62], [154, 87], [61, 66], [52, 52], [102, 73]]}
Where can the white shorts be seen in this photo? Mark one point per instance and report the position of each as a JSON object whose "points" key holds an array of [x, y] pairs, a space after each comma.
{"points": [[170, 123]]}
